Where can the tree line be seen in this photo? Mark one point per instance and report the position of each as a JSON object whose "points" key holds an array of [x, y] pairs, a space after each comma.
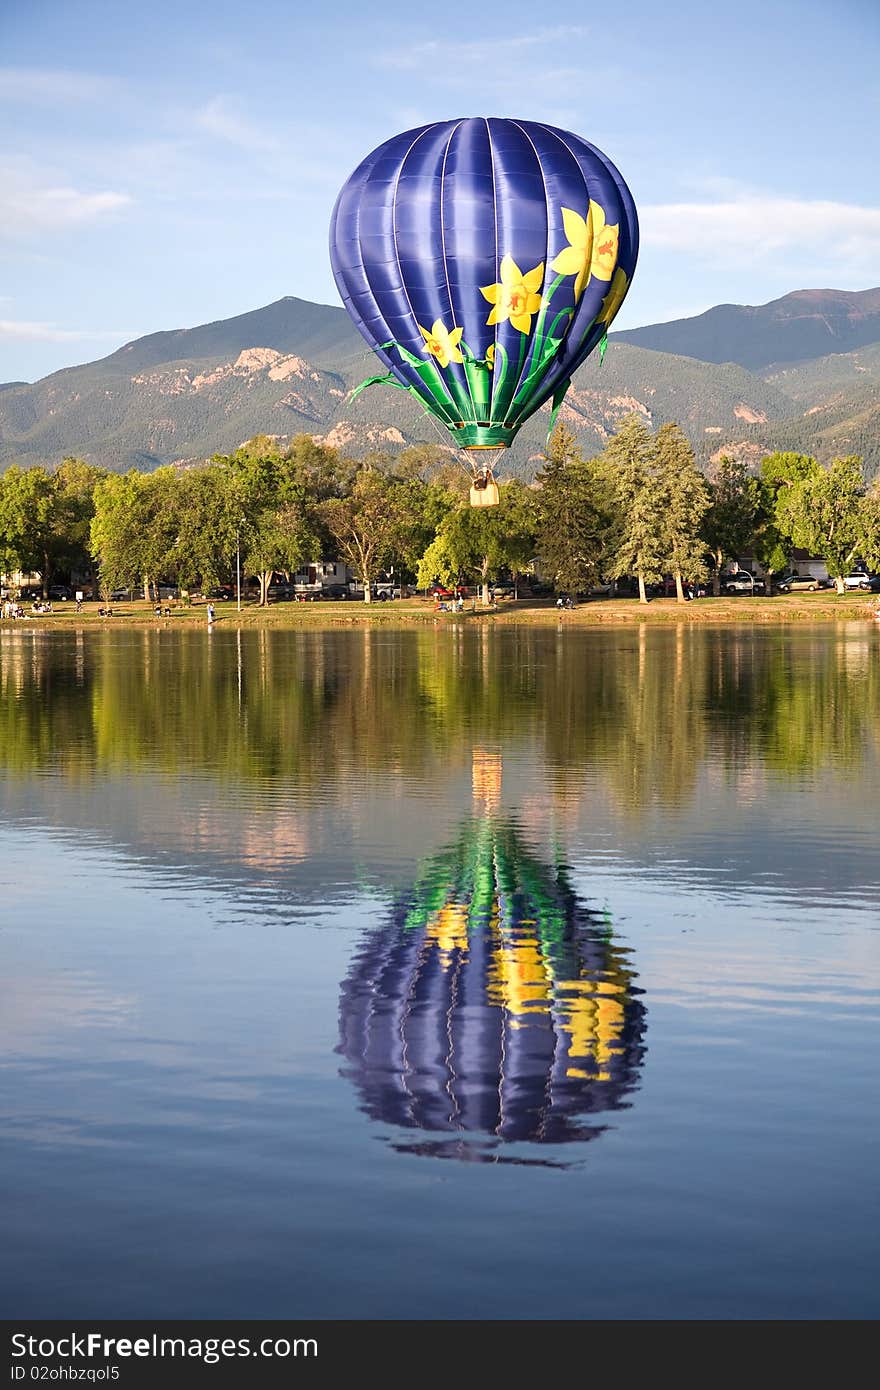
{"points": [[641, 509]]}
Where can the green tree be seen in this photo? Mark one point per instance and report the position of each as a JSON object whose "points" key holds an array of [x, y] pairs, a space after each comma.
{"points": [[423, 461], [685, 500], [132, 532], [422, 508], [784, 469], [521, 526], [871, 546], [731, 522], [45, 518], [779, 472], [75, 483], [637, 541], [370, 525], [825, 512], [28, 521], [571, 515], [202, 519], [274, 494], [114, 534], [482, 542], [321, 469]]}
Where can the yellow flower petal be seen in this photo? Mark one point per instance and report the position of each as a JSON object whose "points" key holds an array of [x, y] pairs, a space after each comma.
{"points": [[605, 247], [510, 272], [577, 229], [596, 216], [440, 343], [494, 317], [533, 303], [490, 354], [521, 322], [614, 298], [489, 292], [570, 261], [533, 279]]}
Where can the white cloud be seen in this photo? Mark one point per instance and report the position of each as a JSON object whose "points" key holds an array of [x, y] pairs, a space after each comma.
{"points": [[51, 85], [827, 238], [31, 204], [22, 331], [224, 121], [445, 59]]}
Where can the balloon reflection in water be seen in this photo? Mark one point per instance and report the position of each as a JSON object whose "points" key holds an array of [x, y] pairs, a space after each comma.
{"points": [[494, 1008]]}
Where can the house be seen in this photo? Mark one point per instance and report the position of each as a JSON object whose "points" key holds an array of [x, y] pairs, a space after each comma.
{"points": [[802, 562], [325, 574]]}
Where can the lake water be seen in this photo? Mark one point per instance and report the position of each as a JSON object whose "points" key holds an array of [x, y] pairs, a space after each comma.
{"points": [[446, 973]]}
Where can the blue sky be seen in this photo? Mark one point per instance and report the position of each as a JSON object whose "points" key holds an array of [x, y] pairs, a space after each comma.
{"points": [[168, 164]]}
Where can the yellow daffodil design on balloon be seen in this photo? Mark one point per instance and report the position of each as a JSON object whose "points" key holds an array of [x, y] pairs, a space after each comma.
{"points": [[490, 356], [442, 344], [614, 298], [592, 248], [448, 930], [515, 296]]}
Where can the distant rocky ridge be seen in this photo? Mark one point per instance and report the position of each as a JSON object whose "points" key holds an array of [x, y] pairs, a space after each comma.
{"points": [[803, 325], [319, 332], [287, 368]]}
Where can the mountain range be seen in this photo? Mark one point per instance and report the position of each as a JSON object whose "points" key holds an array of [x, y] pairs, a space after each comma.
{"points": [[802, 372], [796, 328]]}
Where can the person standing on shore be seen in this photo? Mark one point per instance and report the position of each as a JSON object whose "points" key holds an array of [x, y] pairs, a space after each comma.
{"points": [[210, 614]]}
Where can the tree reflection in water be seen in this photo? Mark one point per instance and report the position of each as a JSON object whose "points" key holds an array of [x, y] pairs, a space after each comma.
{"points": [[641, 713]]}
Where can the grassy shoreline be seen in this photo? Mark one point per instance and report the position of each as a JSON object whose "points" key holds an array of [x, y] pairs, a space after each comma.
{"points": [[821, 607]]}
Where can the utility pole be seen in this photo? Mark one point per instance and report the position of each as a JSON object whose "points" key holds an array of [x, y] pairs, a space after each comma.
{"points": [[238, 563]]}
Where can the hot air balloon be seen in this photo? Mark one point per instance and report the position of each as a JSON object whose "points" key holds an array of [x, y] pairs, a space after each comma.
{"points": [[483, 259], [492, 1008]]}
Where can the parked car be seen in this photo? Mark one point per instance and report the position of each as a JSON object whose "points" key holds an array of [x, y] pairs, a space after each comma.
{"points": [[793, 582], [119, 595], [441, 591], [857, 580], [222, 592], [743, 583], [60, 592]]}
